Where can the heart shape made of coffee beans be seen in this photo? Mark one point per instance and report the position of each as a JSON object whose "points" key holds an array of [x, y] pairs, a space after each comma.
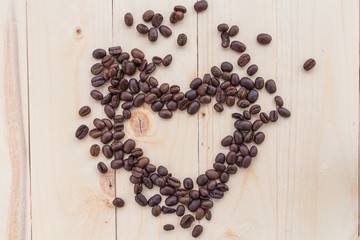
{"points": [[227, 88]]}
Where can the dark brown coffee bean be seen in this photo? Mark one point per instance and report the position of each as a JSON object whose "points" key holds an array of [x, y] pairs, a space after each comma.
{"points": [[107, 61], [95, 94], [99, 53], [165, 113], [270, 86], [202, 179], [139, 100], [123, 56], [226, 67], [180, 8], [218, 107], [284, 112], [165, 31], [256, 125], [109, 111], [182, 39], [223, 27], [237, 116], [208, 215], [247, 83], [171, 105], [243, 125], [193, 108], [226, 141], [309, 64], [138, 187], [248, 136], [273, 116], [117, 164], [259, 137], [150, 68], [183, 104], [220, 96], [252, 69], [167, 60], [162, 171], [247, 115], [128, 19], [225, 39], [157, 19], [186, 221], [157, 106], [185, 200], [264, 38], [232, 169], [180, 210], [82, 131], [171, 201], [207, 204], [106, 137], [205, 99], [97, 68], [156, 210], [243, 103], [154, 200], [252, 96], [116, 50], [194, 194], [243, 60], [153, 34], [141, 200], [200, 6], [259, 83], [108, 153], [253, 151], [264, 117], [196, 83], [102, 167], [141, 28], [231, 157], [95, 133], [255, 109], [168, 227], [220, 158], [180, 192], [167, 210], [188, 183], [118, 202], [118, 126], [173, 18], [174, 182], [246, 161], [157, 60], [94, 150], [215, 71], [85, 110], [224, 177], [238, 46], [148, 15], [191, 94], [150, 98], [211, 90], [127, 114], [218, 167], [144, 86], [197, 230], [200, 213], [279, 101], [97, 81], [194, 205], [137, 53], [234, 30], [129, 145], [212, 174]]}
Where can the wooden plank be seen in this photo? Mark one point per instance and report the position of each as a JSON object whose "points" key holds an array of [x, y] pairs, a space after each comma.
{"points": [[15, 222], [318, 148], [71, 200], [171, 143], [248, 210]]}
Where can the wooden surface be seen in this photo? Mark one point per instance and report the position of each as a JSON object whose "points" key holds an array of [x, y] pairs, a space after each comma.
{"points": [[302, 185]]}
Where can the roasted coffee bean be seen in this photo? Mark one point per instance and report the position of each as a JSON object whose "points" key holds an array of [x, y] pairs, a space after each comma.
{"points": [[150, 98], [109, 111], [243, 60], [154, 200], [215, 71], [141, 28], [126, 96], [252, 69], [123, 56], [279, 101], [188, 183], [180, 210], [223, 27], [259, 83], [138, 187], [144, 86], [180, 192], [202, 179], [231, 157], [205, 99], [200, 213], [226, 76], [167, 210], [108, 153], [82, 131], [270, 86], [156, 210], [137, 152], [94, 150], [157, 106], [143, 162], [162, 171], [165, 31], [212, 174], [107, 61], [124, 84], [99, 53], [108, 123], [264, 38], [174, 182], [259, 137], [171, 105], [173, 18], [243, 125], [239, 161], [134, 86], [95, 94], [150, 168], [212, 183], [127, 114], [147, 182], [194, 205], [218, 167], [98, 123], [150, 68], [119, 154], [222, 187], [129, 145], [248, 136], [185, 200], [118, 202], [97, 81], [200, 6], [153, 34], [180, 8], [118, 126], [246, 161], [247, 83], [309, 64], [171, 201], [218, 107], [95, 133], [226, 67], [137, 53], [232, 169], [255, 109], [168, 227], [191, 94], [234, 30], [183, 104], [264, 117], [114, 90], [211, 90], [207, 78], [165, 113], [97, 68], [225, 39], [217, 194], [186, 221], [196, 83], [247, 115], [237, 116], [194, 194], [117, 145], [273, 116], [231, 90], [117, 164], [182, 39], [193, 108], [235, 80], [148, 15], [252, 96], [253, 151], [164, 88], [226, 141], [128, 19], [224, 177], [238, 46], [85, 110], [116, 50], [141, 199], [220, 158], [208, 215], [102, 167], [167, 60], [207, 204], [157, 19], [256, 125], [243, 103], [284, 112], [157, 60], [139, 100], [220, 96]]}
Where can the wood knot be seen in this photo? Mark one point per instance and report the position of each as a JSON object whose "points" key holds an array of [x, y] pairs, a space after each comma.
{"points": [[140, 123], [107, 183], [78, 32]]}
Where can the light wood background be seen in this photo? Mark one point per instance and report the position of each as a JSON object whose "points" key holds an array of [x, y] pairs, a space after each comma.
{"points": [[302, 185]]}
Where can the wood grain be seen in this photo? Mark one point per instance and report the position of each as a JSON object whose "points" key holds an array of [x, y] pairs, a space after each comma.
{"points": [[14, 172]]}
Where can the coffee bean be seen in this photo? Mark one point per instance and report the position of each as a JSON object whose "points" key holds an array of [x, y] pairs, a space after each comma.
{"points": [[255, 109], [212, 174], [231, 157], [108, 123], [97, 68], [223, 27], [182, 39], [220, 158], [270, 86], [264, 38], [259, 137], [82, 131], [259, 83], [128, 19], [99, 53], [117, 164], [109, 111], [157, 60], [200, 6], [180, 8], [246, 161], [226, 141], [247, 115], [243, 125], [256, 125], [174, 182], [202, 179], [237, 116], [284, 112], [252, 69], [85, 110], [243, 103], [108, 153], [253, 151], [200, 213], [243, 60], [127, 114], [156, 210], [165, 113], [273, 116], [186, 221], [171, 201], [168, 227], [188, 183], [123, 56], [95, 94], [139, 100], [264, 117], [167, 60], [279, 101], [194, 205], [102, 167], [95, 133], [137, 53], [234, 30], [180, 210], [207, 204], [165, 31], [180, 192], [218, 107], [141, 28], [217, 194], [157, 20], [129, 145], [252, 96], [247, 83], [141, 199], [118, 202], [154, 200], [94, 150], [185, 200], [238, 46], [167, 210], [193, 108], [98, 123], [225, 39], [148, 15], [194, 194], [309, 64], [116, 50], [107, 61], [226, 67], [97, 81]]}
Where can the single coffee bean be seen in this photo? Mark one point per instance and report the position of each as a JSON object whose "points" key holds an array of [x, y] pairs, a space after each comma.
{"points": [[226, 67], [252, 69], [98, 123], [165, 31], [226, 141], [168, 227], [171, 105], [117, 164], [247, 115], [114, 51], [194, 194], [248, 136], [188, 183], [108, 153], [82, 131], [157, 20], [97, 81], [180, 210], [95, 133], [102, 167], [153, 34], [234, 30], [243, 60], [217, 194], [257, 124], [279, 101], [186, 221], [162, 171], [252, 96], [194, 205], [247, 83], [182, 39], [95, 94], [200, 6], [123, 56], [156, 210], [284, 112], [231, 157], [253, 151], [154, 200], [246, 161], [207, 204], [259, 137], [118, 202], [141, 200], [264, 117], [180, 8], [243, 125], [97, 68], [127, 114], [225, 39], [220, 158], [202, 179], [218, 167], [167, 210], [108, 123], [107, 61], [208, 215], [138, 187], [141, 28], [200, 213], [273, 116], [238, 137], [205, 99], [255, 109], [129, 145], [165, 113], [215, 71], [309, 64], [232, 169], [223, 27], [171, 201], [137, 53], [94, 150], [109, 111], [128, 19], [85, 110], [148, 15], [196, 232], [191, 94], [185, 200], [238, 46], [212, 174], [167, 60], [218, 107], [157, 60], [259, 83], [270, 86], [174, 182], [243, 103], [264, 38], [193, 108], [180, 192], [99, 53], [139, 100], [196, 83]]}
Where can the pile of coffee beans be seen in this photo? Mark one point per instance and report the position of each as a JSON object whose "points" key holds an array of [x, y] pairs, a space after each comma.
{"points": [[220, 85]]}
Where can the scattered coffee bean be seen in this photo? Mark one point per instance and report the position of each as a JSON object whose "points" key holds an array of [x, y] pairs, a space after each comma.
{"points": [[167, 60], [85, 110], [141, 200], [157, 19], [156, 210], [168, 227], [180, 210], [182, 39], [148, 15], [102, 167], [153, 34], [309, 64], [259, 83], [243, 60], [264, 38], [186, 221], [200, 6], [197, 230], [99, 53], [238, 46], [165, 31], [142, 28], [180, 8], [95, 150], [234, 30], [252, 69], [284, 112], [118, 202], [167, 210], [81, 132], [223, 27], [259, 137], [128, 19], [270, 86]]}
